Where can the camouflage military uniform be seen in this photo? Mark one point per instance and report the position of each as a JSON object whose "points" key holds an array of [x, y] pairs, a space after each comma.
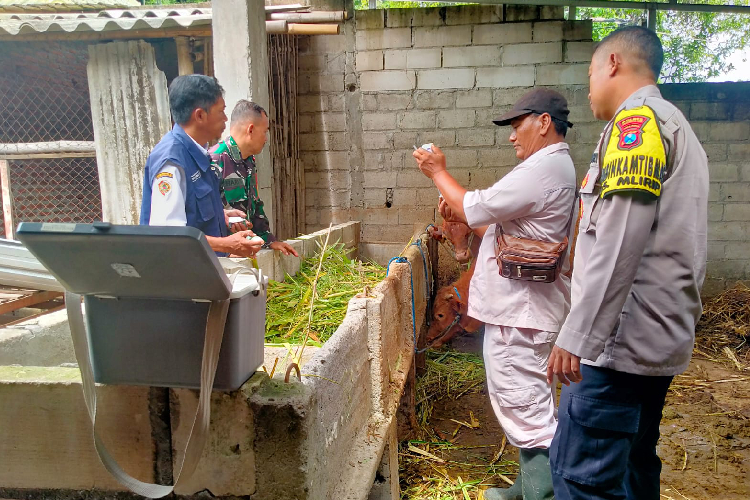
{"points": [[239, 185]]}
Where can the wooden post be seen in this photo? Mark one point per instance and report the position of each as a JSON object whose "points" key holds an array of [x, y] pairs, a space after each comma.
{"points": [[184, 61], [10, 230]]}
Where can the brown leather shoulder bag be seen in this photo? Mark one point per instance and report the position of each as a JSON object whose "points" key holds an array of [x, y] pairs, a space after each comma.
{"points": [[528, 259]]}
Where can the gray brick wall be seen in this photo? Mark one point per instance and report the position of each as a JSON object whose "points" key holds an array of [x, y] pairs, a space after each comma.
{"points": [[720, 116], [401, 77]]}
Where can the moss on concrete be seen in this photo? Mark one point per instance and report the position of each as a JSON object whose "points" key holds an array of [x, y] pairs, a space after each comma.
{"points": [[39, 374]]}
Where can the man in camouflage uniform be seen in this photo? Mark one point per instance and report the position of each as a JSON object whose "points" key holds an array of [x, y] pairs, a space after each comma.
{"points": [[233, 157]]}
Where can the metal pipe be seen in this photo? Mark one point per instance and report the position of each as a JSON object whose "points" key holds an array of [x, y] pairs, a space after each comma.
{"points": [[308, 17], [47, 149], [276, 27], [615, 4], [651, 19]]}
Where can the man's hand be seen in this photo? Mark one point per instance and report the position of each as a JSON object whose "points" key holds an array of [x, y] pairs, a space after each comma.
{"points": [[430, 163], [283, 247], [238, 226], [565, 365], [238, 244]]}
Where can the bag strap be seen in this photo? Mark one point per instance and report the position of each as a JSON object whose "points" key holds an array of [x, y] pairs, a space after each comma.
{"points": [[217, 314]]}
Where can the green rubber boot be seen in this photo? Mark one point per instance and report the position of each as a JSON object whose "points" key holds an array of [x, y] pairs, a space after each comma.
{"points": [[533, 483], [536, 476], [512, 493]]}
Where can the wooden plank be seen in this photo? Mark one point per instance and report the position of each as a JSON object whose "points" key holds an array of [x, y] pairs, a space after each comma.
{"points": [[28, 300], [7, 194], [21, 320]]}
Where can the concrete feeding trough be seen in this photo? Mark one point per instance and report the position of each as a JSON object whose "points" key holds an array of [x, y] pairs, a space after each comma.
{"points": [[326, 435]]}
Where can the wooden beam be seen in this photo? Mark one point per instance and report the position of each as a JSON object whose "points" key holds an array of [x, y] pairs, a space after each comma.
{"points": [[26, 318], [28, 300], [7, 194], [184, 61]]}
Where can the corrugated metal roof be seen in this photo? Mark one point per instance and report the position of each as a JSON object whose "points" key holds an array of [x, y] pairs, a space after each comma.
{"points": [[106, 20], [63, 5]]}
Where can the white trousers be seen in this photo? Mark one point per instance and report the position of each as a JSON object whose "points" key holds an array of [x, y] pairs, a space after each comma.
{"points": [[516, 363]]}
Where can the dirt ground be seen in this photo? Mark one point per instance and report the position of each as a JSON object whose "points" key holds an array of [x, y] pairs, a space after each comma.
{"points": [[704, 446]]}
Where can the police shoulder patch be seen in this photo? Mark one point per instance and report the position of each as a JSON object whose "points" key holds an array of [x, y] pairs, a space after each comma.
{"points": [[164, 175], [635, 159], [164, 187]]}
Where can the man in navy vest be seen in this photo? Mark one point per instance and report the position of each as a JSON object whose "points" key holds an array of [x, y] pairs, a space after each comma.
{"points": [[180, 188]]}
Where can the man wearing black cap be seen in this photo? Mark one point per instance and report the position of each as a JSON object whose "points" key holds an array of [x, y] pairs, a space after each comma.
{"points": [[523, 310]]}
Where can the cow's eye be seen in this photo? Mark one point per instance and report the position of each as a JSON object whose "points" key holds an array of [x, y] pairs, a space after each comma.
{"points": [[441, 316]]}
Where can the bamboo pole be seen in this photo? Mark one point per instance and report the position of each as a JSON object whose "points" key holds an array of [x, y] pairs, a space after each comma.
{"points": [[313, 29]]}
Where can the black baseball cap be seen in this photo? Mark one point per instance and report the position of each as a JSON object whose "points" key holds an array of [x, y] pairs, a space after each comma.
{"points": [[538, 101]]}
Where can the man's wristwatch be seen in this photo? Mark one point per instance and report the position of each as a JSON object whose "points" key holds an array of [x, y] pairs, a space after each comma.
{"points": [[267, 245]]}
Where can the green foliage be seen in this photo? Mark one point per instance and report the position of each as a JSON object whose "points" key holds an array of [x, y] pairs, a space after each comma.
{"points": [[288, 303], [696, 44]]}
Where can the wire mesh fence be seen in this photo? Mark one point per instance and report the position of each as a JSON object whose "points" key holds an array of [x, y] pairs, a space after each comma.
{"points": [[55, 190], [45, 98]]}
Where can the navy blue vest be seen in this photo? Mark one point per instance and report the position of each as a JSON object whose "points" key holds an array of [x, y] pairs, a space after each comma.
{"points": [[203, 206]]}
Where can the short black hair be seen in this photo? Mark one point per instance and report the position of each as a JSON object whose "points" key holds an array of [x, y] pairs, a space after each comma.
{"points": [[561, 127], [641, 42], [190, 92], [245, 111]]}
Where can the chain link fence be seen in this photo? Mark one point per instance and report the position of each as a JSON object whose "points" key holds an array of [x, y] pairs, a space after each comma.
{"points": [[43, 98], [55, 190]]}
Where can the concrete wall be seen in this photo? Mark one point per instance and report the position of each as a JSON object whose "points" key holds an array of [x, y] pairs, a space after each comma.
{"points": [[403, 77], [45, 340], [720, 116], [325, 436]]}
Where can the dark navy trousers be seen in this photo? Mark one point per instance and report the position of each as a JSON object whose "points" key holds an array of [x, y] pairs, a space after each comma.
{"points": [[605, 443]]}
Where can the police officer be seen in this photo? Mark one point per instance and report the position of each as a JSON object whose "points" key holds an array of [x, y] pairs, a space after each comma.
{"points": [[180, 188], [639, 267], [233, 157], [536, 201]]}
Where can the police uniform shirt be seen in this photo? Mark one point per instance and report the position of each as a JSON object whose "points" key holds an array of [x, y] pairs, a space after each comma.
{"points": [[534, 200], [641, 251], [168, 195]]}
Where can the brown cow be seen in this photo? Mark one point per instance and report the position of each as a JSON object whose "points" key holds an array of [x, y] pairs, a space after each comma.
{"points": [[459, 234], [450, 312]]}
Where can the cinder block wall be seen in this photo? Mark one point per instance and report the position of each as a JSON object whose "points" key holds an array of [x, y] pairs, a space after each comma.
{"points": [[401, 77], [720, 116]]}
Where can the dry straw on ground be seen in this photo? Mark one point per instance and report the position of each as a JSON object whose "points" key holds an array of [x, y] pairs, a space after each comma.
{"points": [[724, 328]]}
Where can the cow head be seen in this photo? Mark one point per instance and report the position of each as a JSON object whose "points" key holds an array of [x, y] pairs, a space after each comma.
{"points": [[460, 235], [444, 312]]}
